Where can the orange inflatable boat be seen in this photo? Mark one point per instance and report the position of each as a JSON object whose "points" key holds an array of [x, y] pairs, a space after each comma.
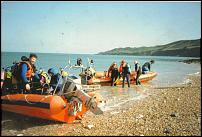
{"points": [[66, 106], [103, 79]]}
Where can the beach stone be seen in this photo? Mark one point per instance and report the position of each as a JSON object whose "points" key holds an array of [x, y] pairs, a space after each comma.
{"points": [[173, 114], [89, 126], [19, 134], [12, 131], [167, 130], [139, 116], [4, 121], [115, 112]]}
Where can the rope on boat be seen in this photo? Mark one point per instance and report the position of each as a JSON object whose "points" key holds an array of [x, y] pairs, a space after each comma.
{"points": [[38, 101], [28, 101], [8, 97]]}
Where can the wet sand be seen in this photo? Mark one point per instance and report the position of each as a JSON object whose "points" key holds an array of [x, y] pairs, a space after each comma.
{"points": [[165, 111]]}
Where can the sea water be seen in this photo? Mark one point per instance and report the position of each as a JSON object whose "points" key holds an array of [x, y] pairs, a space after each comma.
{"points": [[169, 71]]}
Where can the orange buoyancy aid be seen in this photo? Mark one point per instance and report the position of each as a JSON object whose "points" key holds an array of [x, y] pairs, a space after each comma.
{"points": [[29, 69], [121, 68]]}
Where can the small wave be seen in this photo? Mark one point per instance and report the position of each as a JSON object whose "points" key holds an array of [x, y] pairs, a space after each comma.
{"points": [[197, 73], [187, 81], [123, 102]]}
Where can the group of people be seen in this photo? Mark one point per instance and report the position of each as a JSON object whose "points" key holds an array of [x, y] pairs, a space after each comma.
{"points": [[124, 71], [26, 77]]}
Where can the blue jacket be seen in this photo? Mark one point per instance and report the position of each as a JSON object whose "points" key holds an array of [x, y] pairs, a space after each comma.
{"points": [[23, 73], [24, 69]]}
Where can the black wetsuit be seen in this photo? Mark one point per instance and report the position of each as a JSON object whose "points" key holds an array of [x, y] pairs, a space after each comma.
{"points": [[146, 67], [126, 74], [147, 64], [114, 75], [139, 72]]}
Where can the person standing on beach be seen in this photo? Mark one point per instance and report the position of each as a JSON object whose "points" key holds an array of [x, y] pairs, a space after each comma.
{"points": [[121, 67], [126, 73], [114, 74], [139, 72], [110, 69], [136, 65]]}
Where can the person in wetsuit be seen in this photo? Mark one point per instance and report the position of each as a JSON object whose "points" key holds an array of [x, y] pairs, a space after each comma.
{"points": [[126, 73], [114, 74], [147, 67]]}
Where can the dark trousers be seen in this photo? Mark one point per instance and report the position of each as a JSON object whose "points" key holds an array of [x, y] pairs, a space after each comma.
{"points": [[127, 76], [113, 79], [138, 80]]}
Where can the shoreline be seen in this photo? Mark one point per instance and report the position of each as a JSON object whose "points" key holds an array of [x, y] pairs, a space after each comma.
{"points": [[165, 111]]}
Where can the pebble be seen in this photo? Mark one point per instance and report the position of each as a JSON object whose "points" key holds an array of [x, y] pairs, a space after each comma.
{"points": [[173, 114], [139, 116], [146, 113], [5, 121], [115, 112], [89, 126], [19, 134], [12, 131], [167, 130]]}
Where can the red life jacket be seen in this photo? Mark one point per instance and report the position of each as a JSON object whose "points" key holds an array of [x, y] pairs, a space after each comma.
{"points": [[121, 68]]}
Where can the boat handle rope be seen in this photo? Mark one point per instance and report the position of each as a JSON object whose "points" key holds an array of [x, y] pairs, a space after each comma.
{"points": [[8, 98], [38, 101]]}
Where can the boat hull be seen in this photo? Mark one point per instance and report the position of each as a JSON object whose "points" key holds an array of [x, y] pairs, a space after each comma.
{"points": [[42, 106], [103, 79]]}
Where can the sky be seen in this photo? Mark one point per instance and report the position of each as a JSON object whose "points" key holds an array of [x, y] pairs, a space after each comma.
{"points": [[93, 27]]}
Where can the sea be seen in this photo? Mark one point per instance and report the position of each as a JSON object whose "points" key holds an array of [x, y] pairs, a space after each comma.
{"points": [[170, 71]]}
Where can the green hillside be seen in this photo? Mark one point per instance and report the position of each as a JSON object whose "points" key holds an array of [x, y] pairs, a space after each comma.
{"points": [[182, 48]]}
